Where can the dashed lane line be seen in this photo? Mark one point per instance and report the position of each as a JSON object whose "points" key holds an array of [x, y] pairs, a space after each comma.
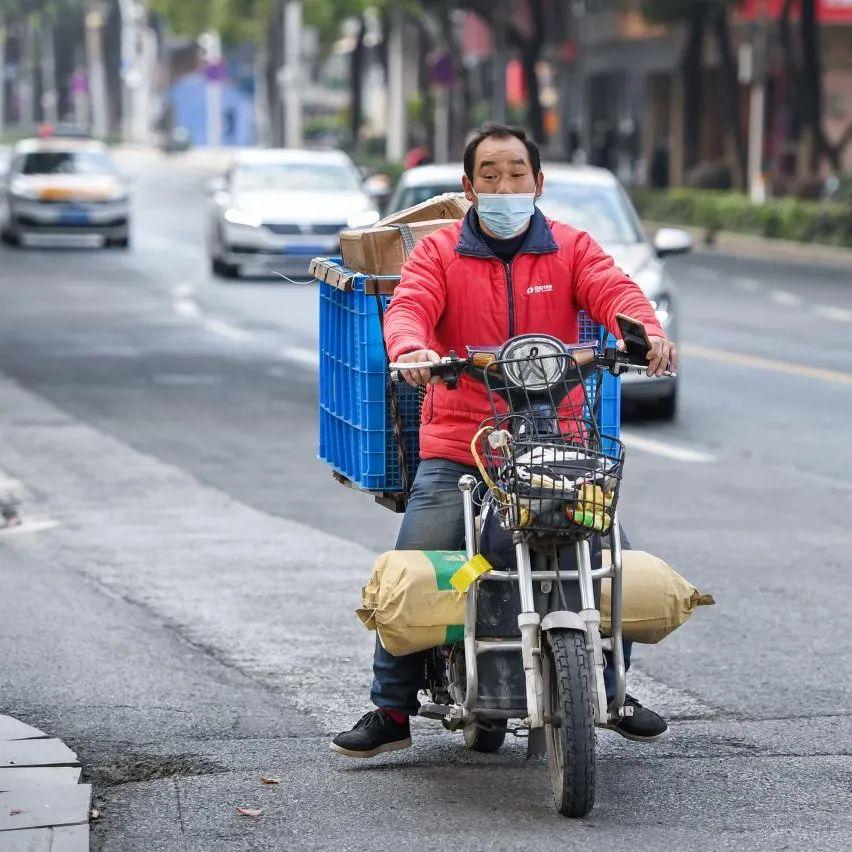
{"points": [[782, 297], [29, 525], [225, 329], [665, 449], [829, 312], [186, 308], [309, 357], [741, 359]]}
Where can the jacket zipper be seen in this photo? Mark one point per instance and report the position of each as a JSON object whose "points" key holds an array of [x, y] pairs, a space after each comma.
{"points": [[511, 294]]}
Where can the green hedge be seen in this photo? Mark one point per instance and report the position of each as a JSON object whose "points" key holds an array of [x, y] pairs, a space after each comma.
{"points": [[784, 218]]}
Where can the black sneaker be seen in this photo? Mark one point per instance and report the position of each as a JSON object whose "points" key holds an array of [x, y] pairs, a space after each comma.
{"points": [[644, 725], [374, 733]]}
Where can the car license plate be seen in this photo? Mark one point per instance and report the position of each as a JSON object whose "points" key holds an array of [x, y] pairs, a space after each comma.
{"points": [[72, 215], [308, 251]]}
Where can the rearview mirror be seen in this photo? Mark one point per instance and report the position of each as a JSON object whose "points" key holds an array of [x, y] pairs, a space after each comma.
{"points": [[668, 241]]}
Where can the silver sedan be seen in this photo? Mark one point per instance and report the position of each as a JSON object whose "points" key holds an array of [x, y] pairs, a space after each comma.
{"points": [[278, 208]]}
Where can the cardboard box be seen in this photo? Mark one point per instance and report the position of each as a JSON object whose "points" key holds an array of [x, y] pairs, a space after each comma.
{"points": [[381, 250], [450, 205]]}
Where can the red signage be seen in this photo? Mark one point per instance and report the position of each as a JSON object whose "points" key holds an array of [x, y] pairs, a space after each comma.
{"points": [[828, 11]]}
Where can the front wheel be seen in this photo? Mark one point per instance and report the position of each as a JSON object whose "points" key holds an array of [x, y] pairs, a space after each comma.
{"points": [[570, 727]]}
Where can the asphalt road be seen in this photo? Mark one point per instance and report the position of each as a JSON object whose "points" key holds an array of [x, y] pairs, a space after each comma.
{"points": [[178, 605]]}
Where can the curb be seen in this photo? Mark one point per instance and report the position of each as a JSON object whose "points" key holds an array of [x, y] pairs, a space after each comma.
{"points": [[759, 248], [42, 803]]}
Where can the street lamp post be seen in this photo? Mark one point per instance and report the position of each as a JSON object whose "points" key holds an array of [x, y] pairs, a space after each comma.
{"points": [[290, 77], [97, 76], [211, 47], [396, 89]]}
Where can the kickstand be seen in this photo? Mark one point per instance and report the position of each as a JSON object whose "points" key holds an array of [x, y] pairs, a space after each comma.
{"points": [[536, 744]]}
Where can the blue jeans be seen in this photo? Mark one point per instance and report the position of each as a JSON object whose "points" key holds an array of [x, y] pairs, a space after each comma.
{"points": [[434, 520]]}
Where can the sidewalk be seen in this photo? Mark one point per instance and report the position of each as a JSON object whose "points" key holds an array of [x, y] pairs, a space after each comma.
{"points": [[760, 248], [42, 804]]}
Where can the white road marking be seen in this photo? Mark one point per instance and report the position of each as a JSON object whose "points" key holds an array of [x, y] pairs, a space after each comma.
{"points": [[186, 379], [184, 291], [832, 313], [30, 525], [750, 285], [186, 308], [302, 356], [664, 449], [782, 297], [12, 489], [225, 329]]}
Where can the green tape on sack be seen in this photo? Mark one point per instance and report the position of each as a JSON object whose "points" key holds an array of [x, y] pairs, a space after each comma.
{"points": [[445, 563], [455, 633]]}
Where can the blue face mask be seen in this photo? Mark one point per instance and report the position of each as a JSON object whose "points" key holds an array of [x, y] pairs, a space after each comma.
{"points": [[505, 214]]}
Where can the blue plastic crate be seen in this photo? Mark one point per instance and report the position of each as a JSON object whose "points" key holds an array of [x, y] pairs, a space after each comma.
{"points": [[356, 435]]}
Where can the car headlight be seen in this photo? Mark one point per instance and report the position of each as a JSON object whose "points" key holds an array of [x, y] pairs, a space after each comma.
{"points": [[21, 189], [241, 217], [662, 308], [363, 219]]}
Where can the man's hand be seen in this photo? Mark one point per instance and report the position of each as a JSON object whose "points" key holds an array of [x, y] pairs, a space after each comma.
{"points": [[662, 356], [421, 377]]}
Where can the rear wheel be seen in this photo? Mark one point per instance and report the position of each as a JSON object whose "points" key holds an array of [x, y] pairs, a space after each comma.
{"points": [[10, 238], [665, 408], [570, 732], [224, 270], [485, 735]]}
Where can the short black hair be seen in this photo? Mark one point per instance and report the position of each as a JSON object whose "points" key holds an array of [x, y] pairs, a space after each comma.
{"points": [[499, 131]]}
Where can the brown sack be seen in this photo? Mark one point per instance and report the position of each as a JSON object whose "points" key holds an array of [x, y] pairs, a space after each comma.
{"points": [[382, 250], [657, 600], [450, 205]]}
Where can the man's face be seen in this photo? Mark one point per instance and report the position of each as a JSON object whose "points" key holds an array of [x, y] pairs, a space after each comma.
{"points": [[502, 166]]}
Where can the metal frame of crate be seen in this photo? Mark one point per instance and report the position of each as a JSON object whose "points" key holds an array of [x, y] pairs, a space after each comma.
{"points": [[357, 437]]}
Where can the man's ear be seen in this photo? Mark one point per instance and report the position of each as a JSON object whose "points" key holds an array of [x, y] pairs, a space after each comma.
{"points": [[539, 185], [468, 189]]}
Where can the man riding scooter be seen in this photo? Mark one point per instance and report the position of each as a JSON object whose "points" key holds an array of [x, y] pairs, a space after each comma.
{"points": [[504, 270]]}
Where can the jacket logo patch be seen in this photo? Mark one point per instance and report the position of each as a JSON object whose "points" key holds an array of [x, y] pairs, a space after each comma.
{"points": [[539, 288]]}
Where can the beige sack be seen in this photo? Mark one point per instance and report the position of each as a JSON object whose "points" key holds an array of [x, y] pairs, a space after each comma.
{"points": [[410, 602], [657, 600]]}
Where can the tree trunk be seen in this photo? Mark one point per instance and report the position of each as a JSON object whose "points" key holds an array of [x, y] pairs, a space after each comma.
{"points": [[731, 88], [692, 69], [812, 81], [791, 65], [26, 76], [356, 71], [535, 115], [424, 46]]}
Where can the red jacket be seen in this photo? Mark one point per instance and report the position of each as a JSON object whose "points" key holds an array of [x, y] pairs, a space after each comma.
{"points": [[455, 293]]}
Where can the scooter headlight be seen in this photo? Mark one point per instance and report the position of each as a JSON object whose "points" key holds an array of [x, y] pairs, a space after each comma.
{"points": [[534, 362]]}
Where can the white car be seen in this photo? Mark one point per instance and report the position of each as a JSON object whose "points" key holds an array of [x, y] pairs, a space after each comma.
{"points": [[279, 208], [593, 200], [63, 187]]}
